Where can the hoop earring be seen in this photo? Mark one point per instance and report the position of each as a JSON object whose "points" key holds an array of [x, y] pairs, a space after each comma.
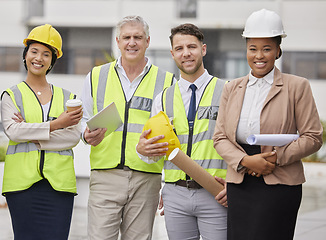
{"points": [[50, 67]]}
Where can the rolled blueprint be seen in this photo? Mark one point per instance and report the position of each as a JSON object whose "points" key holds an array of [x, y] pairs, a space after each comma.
{"points": [[195, 171], [271, 139]]}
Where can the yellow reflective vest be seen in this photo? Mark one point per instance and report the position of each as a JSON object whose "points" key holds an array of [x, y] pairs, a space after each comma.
{"points": [[24, 163], [196, 143], [118, 149]]}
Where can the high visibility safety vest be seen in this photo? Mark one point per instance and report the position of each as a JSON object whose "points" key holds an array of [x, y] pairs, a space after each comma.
{"points": [[24, 163], [118, 149], [197, 143]]}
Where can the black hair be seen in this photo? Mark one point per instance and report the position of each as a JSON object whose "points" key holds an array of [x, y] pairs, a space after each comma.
{"points": [[278, 41], [54, 55]]}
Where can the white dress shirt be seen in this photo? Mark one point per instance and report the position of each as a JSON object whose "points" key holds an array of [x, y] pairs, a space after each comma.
{"points": [[186, 92], [128, 87], [256, 93]]}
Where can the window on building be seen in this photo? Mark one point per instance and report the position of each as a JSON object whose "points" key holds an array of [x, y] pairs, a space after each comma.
{"points": [[84, 48], [35, 8], [226, 64], [61, 65], [187, 8], [163, 59], [311, 65], [86, 59], [10, 59], [82, 60], [236, 65]]}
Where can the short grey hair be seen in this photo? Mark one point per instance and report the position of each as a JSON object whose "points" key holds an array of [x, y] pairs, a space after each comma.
{"points": [[132, 19]]}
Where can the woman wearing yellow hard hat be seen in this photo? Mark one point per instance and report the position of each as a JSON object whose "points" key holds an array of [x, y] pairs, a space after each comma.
{"points": [[39, 180], [264, 186]]}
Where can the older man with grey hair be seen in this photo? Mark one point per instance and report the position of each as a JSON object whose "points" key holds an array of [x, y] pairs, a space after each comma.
{"points": [[124, 191]]}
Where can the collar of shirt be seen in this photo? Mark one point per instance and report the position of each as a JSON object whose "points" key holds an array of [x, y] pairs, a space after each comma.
{"points": [[200, 82], [128, 87], [121, 69], [269, 78]]}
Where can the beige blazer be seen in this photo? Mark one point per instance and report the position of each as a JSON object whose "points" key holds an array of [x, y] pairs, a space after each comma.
{"points": [[288, 108]]}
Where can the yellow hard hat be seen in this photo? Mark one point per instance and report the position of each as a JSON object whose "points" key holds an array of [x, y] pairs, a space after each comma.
{"points": [[48, 35], [160, 125]]}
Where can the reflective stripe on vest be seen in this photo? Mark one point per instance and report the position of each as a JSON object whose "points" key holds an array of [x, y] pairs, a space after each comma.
{"points": [[202, 150], [118, 149], [25, 164], [29, 147]]}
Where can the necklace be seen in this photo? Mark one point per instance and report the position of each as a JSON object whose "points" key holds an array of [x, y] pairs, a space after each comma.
{"points": [[39, 93]]}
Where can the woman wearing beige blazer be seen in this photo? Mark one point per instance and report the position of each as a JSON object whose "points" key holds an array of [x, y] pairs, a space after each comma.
{"points": [[265, 182]]}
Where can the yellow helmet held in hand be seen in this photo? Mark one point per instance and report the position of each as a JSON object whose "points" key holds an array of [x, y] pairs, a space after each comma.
{"points": [[48, 35], [160, 125]]}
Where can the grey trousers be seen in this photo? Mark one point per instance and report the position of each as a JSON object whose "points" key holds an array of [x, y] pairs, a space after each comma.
{"points": [[191, 213]]}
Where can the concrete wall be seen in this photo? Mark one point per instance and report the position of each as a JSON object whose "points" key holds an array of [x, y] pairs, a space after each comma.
{"points": [[304, 22], [12, 29]]}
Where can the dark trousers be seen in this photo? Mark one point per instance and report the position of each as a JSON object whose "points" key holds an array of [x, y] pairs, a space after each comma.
{"points": [[259, 211], [40, 212]]}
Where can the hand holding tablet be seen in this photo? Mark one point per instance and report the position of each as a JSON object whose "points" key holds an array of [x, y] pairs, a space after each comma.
{"points": [[108, 118]]}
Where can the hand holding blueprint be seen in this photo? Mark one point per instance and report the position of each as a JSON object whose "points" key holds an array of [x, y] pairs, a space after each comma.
{"points": [[271, 139]]}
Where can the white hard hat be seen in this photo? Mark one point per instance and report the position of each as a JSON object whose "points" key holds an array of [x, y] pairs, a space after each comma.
{"points": [[262, 24]]}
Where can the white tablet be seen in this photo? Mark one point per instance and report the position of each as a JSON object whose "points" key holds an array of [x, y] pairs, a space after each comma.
{"points": [[108, 118]]}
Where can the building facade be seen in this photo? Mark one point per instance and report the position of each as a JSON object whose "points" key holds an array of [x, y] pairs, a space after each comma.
{"points": [[88, 31]]}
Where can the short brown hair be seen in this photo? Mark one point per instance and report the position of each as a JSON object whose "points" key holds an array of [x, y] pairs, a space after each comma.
{"points": [[187, 29]]}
